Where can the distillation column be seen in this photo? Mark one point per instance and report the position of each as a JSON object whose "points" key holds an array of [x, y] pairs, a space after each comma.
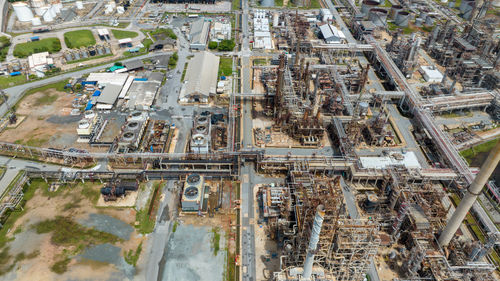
{"points": [[313, 242], [470, 197]]}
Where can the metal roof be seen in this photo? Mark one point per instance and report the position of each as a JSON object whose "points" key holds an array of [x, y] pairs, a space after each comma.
{"points": [[201, 74], [199, 31], [109, 94]]}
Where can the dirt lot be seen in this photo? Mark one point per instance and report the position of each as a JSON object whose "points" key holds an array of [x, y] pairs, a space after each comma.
{"points": [[48, 122], [93, 252]]}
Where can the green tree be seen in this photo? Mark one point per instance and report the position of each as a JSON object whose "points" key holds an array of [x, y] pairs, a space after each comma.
{"points": [[226, 45], [213, 45]]}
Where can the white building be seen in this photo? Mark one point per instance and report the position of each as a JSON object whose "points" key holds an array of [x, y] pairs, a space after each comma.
{"points": [[261, 35], [199, 34], [220, 31], [431, 74], [40, 60], [325, 15], [332, 34], [201, 78]]}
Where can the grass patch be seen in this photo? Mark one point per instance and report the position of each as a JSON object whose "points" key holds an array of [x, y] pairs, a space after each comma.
{"points": [[163, 33], [51, 45], [216, 240], [225, 66], [61, 266], [79, 38], [131, 257], [172, 61], [10, 81], [120, 34], [66, 232], [470, 153], [184, 72], [36, 142], [144, 222], [174, 228], [91, 193], [45, 100], [260, 62], [4, 47], [235, 5], [58, 86]]}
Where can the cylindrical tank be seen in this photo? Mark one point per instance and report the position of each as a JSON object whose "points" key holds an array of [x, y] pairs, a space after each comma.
{"points": [[23, 12], [92, 50], [402, 18], [36, 21], [367, 5], [464, 5], [68, 56], [378, 16], [79, 5], [430, 20], [394, 11], [276, 19], [47, 17], [77, 55], [371, 202], [418, 22]]}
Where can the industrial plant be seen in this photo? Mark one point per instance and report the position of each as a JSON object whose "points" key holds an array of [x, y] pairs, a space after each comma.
{"points": [[250, 140]]}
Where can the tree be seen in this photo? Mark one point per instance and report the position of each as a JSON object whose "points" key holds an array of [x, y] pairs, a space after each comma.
{"points": [[213, 45], [226, 45]]}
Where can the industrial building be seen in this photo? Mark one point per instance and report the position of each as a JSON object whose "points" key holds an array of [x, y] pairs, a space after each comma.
{"points": [[331, 34], [220, 31], [201, 80], [261, 35], [198, 35]]}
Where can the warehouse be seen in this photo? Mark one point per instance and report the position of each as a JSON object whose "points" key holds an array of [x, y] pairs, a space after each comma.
{"points": [[201, 79], [105, 78], [199, 34], [141, 94], [108, 96], [331, 34]]}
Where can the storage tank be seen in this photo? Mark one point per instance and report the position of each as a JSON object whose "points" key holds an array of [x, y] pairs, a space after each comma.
{"points": [[402, 18], [395, 9], [378, 16], [79, 5], [23, 12], [47, 17], [36, 21], [77, 55], [68, 56], [363, 108], [367, 5], [467, 14]]}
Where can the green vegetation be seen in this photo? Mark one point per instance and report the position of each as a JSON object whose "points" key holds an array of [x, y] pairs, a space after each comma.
{"points": [[46, 100], [131, 257], [144, 222], [10, 81], [226, 45], [225, 66], [216, 240], [387, 4], [79, 38], [162, 33], [58, 86], [278, 3], [4, 47], [66, 232], [315, 4], [61, 266], [260, 62], [213, 45], [120, 34], [172, 61], [51, 45], [470, 153], [91, 193], [174, 228], [184, 72], [454, 114], [146, 42], [235, 5]]}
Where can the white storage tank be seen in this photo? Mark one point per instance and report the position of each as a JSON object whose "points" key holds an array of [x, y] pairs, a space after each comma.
{"points": [[79, 5], [23, 12], [36, 21]]}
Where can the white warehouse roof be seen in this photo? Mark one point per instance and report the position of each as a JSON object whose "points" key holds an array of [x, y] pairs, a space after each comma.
{"points": [[201, 75], [431, 74], [103, 78], [331, 33], [409, 160]]}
